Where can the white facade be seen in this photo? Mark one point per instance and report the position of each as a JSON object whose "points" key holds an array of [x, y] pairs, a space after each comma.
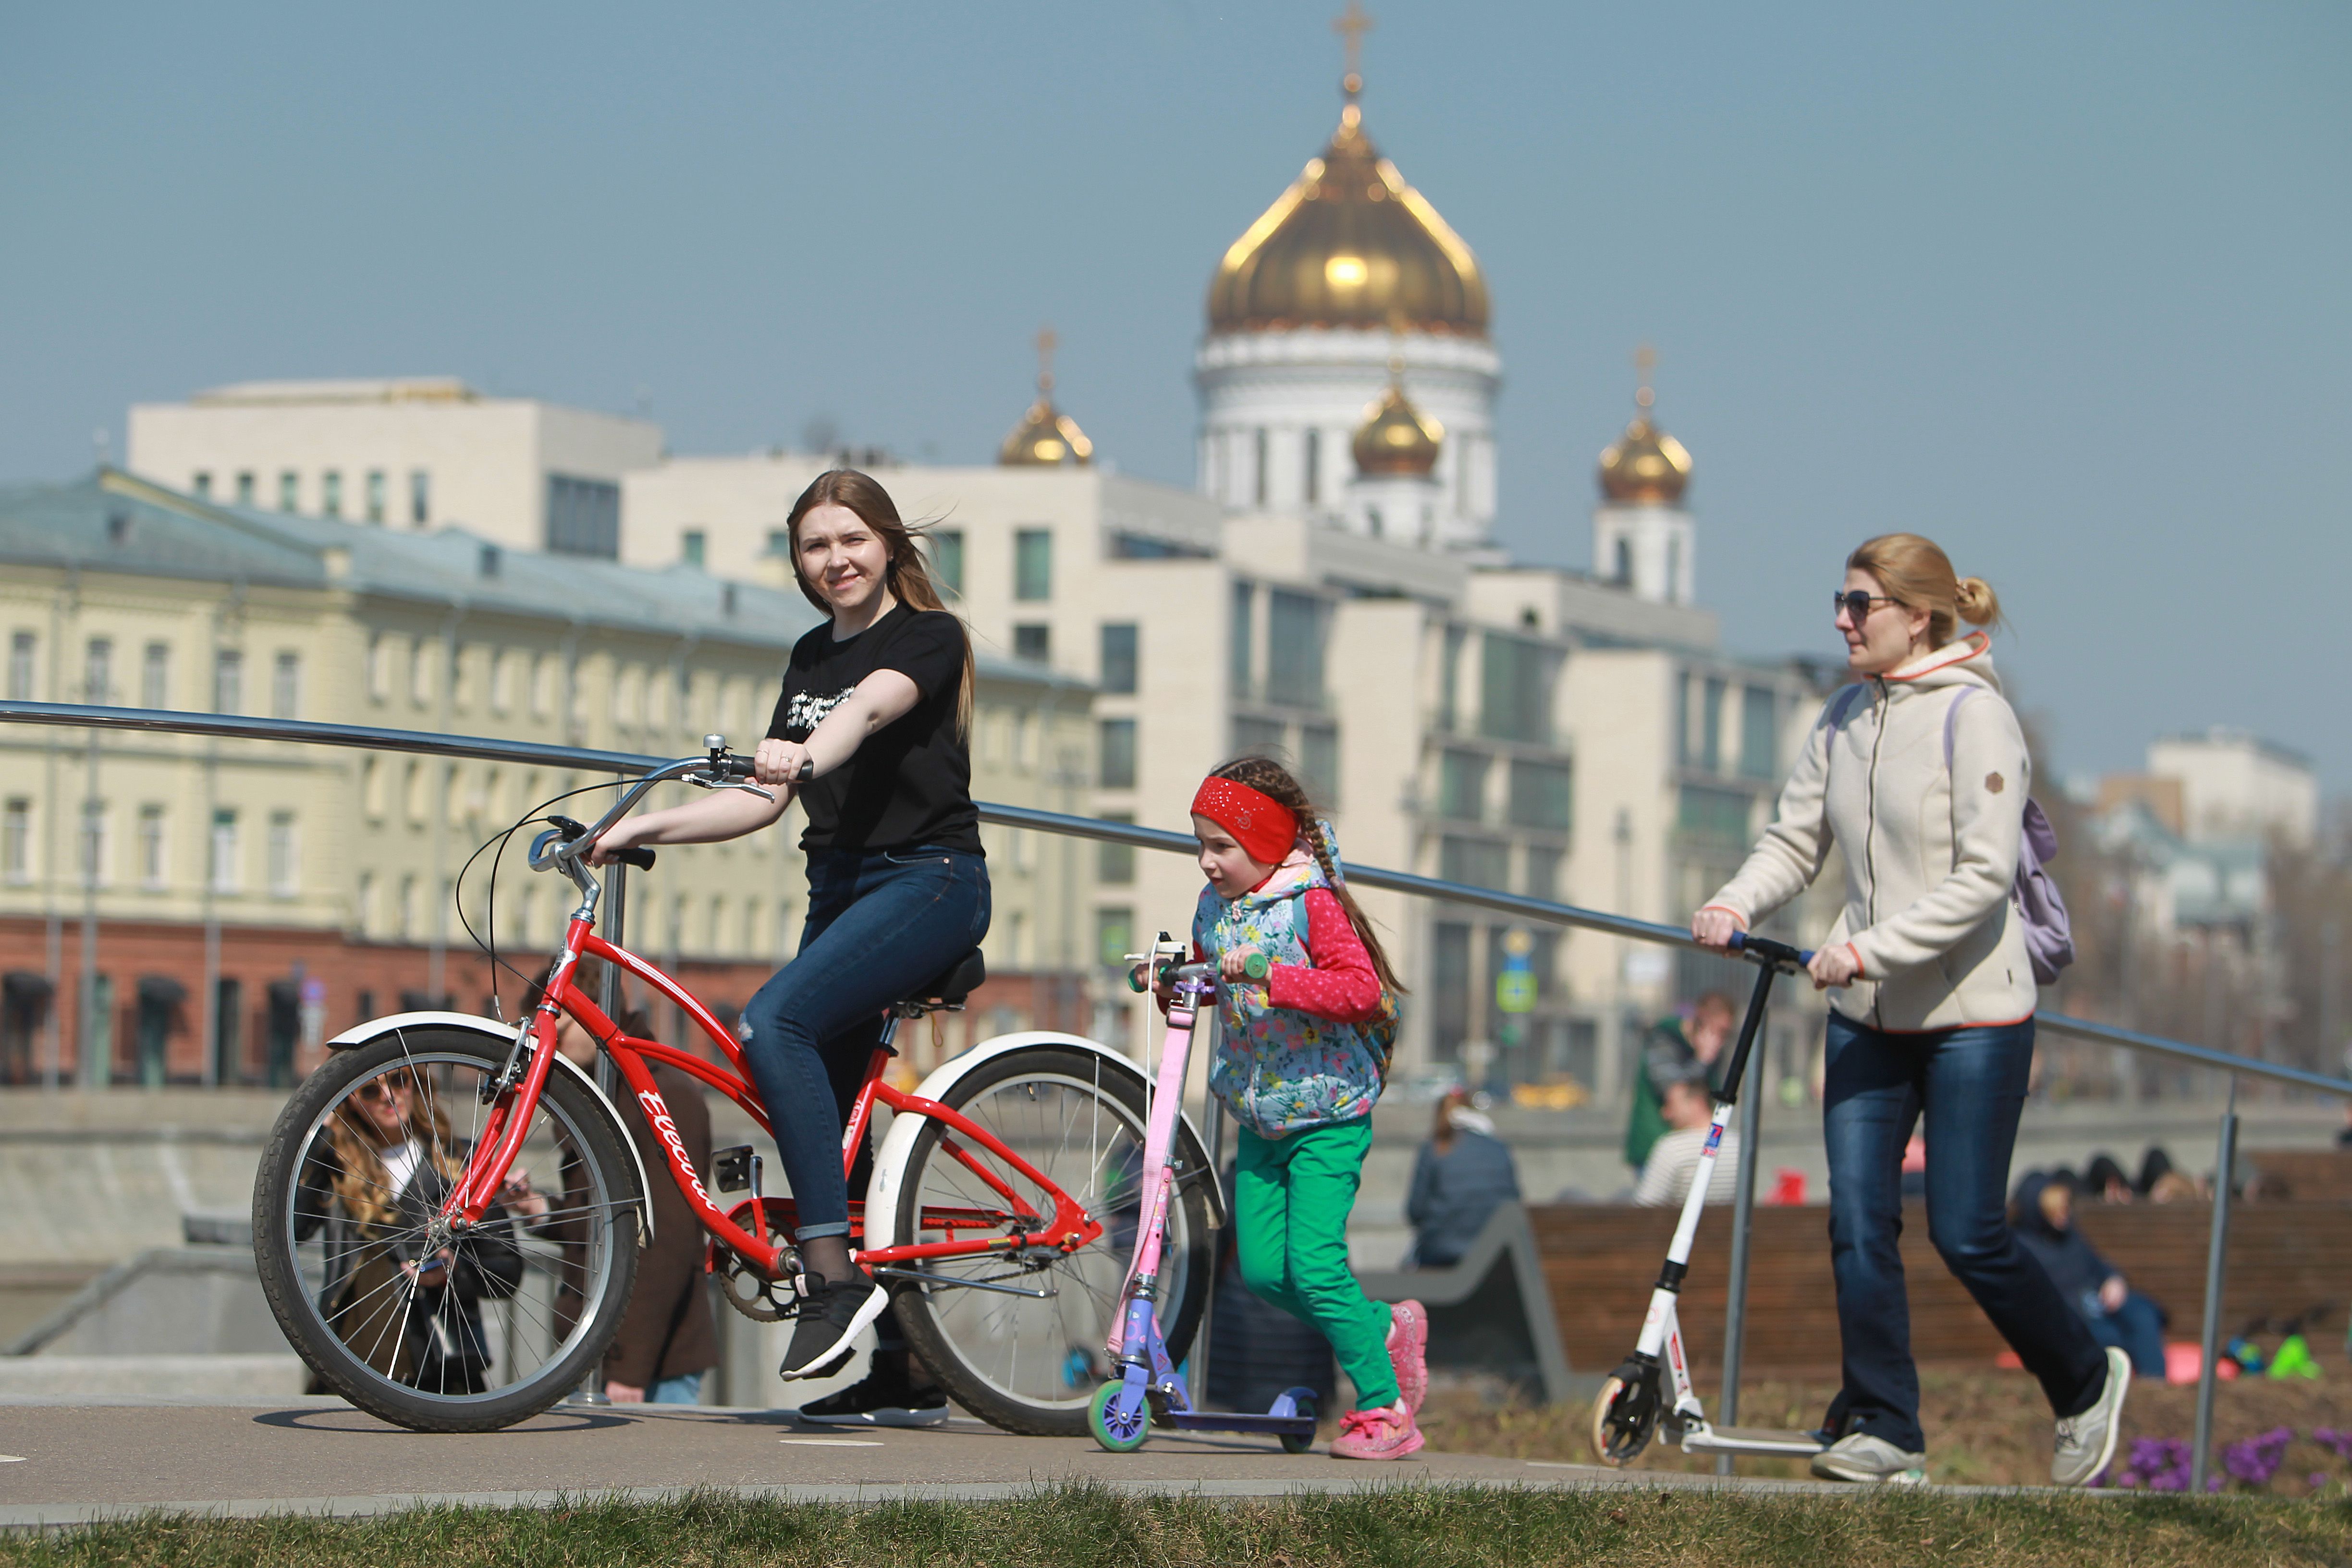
{"points": [[411, 454], [1648, 548], [2235, 785], [1279, 410]]}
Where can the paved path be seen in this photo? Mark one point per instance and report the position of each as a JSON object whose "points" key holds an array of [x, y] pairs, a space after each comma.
{"points": [[75, 1461]]}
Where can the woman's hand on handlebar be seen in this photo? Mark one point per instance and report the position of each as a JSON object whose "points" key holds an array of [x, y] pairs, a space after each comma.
{"points": [[1833, 966], [780, 762], [1713, 928], [621, 836]]}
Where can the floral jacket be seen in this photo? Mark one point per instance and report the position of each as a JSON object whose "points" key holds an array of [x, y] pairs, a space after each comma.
{"points": [[1280, 1069]]}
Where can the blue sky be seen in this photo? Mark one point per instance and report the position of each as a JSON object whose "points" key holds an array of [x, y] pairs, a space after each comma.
{"points": [[2063, 287]]}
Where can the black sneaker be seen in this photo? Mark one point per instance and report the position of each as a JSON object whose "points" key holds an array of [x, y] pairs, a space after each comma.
{"points": [[883, 1399], [830, 1316]]}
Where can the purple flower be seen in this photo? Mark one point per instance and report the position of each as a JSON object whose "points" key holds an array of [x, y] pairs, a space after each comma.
{"points": [[2256, 1459], [2157, 1463], [2316, 1480]]}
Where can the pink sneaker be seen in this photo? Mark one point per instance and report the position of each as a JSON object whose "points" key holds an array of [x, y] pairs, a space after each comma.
{"points": [[1408, 1351], [1377, 1433]]}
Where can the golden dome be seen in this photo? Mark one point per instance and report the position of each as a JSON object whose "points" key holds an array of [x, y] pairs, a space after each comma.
{"points": [[1349, 244], [1646, 464], [1046, 437], [1396, 437]]}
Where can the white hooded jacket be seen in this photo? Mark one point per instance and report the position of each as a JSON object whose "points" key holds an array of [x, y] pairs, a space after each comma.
{"points": [[1930, 852]]}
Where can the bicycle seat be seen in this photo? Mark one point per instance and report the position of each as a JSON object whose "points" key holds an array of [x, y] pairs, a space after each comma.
{"points": [[947, 990]]}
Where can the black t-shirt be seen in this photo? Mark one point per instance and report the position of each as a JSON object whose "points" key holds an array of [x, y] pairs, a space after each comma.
{"points": [[910, 783]]}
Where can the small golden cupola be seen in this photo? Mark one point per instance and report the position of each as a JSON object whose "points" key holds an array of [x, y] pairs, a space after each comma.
{"points": [[1645, 466], [1046, 437], [1396, 437]]}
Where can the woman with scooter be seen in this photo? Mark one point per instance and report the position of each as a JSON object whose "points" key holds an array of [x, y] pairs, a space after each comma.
{"points": [[1920, 772]]}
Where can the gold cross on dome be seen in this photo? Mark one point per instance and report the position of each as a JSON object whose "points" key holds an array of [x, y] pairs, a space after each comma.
{"points": [[1645, 360], [1351, 24], [1046, 341]]}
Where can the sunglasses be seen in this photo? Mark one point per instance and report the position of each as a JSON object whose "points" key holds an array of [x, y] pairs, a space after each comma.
{"points": [[381, 1089], [1855, 604]]}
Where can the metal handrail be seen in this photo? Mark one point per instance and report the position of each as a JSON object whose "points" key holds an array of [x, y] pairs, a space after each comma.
{"points": [[485, 749], [164, 720]]}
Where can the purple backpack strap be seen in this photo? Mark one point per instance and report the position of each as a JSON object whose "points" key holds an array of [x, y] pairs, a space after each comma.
{"points": [[2048, 930]]}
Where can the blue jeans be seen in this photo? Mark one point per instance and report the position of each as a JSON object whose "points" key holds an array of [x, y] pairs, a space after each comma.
{"points": [[683, 1389], [2137, 1328], [880, 924], [1970, 1084]]}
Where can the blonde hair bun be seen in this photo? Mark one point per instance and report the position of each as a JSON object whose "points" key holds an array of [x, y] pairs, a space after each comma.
{"points": [[1976, 603]]}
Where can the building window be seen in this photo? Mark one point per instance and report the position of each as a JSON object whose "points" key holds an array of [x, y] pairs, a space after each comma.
{"points": [[1114, 935], [245, 486], [1475, 862], [364, 910], [228, 681], [1118, 641], [98, 670], [1115, 863], [1449, 989], [202, 484], [1461, 785], [1257, 486], [221, 874], [1314, 467], [420, 672], [1716, 816], [1239, 649], [1256, 737], [1759, 732], [502, 676], [1033, 643], [1294, 650], [1318, 763], [1515, 689], [289, 490], [1543, 873], [152, 866], [372, 787], [1542, 795], [375, 495], [420, 497], [583, 517], [331, 493], [1683, 719], [947, 560], [780, 543], [22, 646], [16, 840], [1117, 771], [412, 793], [379, 667], [690, 546], [1710, 732], [155, 677], [94, 854], [404, 917], [1033, 563], [285, 864], [286, 686]]}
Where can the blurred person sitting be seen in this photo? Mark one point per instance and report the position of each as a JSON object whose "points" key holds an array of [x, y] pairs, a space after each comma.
{"points": [[2042, 1214], [1461, 1176], [1688, 1108], [2172, 1187], [1668, 1050], [2153, 1166], [2103, 1181]]}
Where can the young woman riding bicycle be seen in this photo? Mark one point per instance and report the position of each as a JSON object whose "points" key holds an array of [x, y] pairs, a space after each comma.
{"points": [[869, 734]]}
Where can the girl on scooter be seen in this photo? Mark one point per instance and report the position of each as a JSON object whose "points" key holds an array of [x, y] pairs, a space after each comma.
{"points": [[1300, 1061], [1919, 773], [869, 735]]}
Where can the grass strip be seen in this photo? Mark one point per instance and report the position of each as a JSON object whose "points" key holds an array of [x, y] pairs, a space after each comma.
{"points": [[1083, 1526]]}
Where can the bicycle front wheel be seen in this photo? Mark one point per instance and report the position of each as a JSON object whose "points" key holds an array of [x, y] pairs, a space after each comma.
{"points": [[432, 1331], [1017, 1339]]}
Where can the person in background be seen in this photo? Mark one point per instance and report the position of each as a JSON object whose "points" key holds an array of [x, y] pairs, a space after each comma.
{"points": [[1462, 1175], [2153, 1166], [2042, 1214], [2172, 1187], [1690, 1108], [667, 1342], [1667, 1051], [2104, 1182]]}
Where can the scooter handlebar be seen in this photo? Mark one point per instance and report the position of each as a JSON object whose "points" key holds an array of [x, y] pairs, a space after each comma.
{"points": [[1766, 949], [1254, 966]]}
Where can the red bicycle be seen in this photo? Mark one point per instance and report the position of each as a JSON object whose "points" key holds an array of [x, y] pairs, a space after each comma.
{"points": [[1003, 1207]]}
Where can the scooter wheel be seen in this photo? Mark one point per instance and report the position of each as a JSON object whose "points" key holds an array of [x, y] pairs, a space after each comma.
{"points": [[1303, 1402], [1624, 1414], [1118, 1420]]}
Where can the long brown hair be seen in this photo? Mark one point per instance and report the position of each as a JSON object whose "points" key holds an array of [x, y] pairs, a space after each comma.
{"points": [[906, 573], [1271, 779], [365, 1183], [1918, 575]]}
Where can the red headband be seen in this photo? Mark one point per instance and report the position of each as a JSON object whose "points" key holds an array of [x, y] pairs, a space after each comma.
{"points": [[1261, 825]]}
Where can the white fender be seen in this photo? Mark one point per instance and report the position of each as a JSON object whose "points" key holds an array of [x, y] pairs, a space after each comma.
{"points": [[504, 1034], [891, 1161]]}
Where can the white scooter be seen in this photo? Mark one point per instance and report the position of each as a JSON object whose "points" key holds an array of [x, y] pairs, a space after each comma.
{"points": [[1631, 1403]]}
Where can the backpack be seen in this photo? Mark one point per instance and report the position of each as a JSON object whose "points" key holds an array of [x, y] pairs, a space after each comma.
{"points": [[2033, 892]]}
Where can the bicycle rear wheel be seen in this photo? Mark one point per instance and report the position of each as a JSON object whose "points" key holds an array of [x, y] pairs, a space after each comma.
{"points": [[346, 1236], [1031, 1363]]}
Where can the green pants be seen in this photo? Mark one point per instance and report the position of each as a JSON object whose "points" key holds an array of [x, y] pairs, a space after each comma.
{"points": [[1291, 1198]]}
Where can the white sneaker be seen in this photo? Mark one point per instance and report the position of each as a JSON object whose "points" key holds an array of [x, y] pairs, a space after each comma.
{"points": [[1859, 1457], [2086, 1442]]}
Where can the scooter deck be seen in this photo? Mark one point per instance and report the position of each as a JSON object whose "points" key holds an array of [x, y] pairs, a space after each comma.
{"points": [[1762, 1440], [1242, 1421]]}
